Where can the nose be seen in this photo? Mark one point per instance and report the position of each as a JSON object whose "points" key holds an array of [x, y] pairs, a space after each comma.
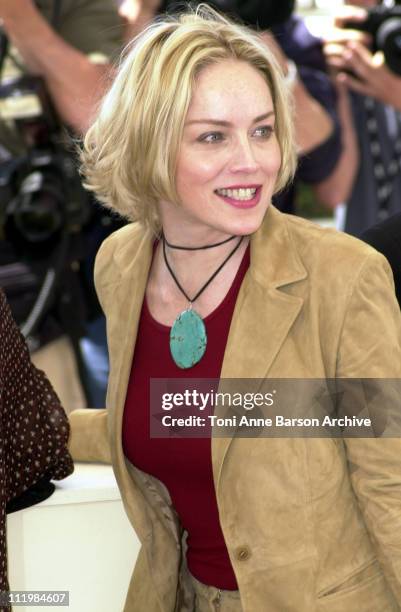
{"points": [[244, 158]]}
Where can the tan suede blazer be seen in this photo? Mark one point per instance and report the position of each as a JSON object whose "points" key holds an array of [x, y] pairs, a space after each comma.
{"points": [[305, 531]]}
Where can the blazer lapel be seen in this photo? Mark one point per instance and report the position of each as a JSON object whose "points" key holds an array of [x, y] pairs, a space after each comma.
{"points": [[126, 297], [264, 313]]}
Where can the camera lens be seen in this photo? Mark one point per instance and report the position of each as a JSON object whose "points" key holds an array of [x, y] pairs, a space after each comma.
{"points": [[39, 217], [389, 40], [36, 213]]}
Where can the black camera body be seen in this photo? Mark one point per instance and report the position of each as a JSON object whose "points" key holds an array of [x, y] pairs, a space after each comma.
{"points": [[384, 25], [41, 195], [261, 14]]}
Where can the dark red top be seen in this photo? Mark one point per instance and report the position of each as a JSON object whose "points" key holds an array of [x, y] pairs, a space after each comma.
{"points": [[183, 465]]}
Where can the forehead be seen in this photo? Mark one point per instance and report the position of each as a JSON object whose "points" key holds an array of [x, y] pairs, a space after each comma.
{"points": [[230, 88]]}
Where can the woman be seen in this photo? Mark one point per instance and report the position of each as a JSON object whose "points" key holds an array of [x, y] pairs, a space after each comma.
{"points": [[34, 431], [192, 141]]}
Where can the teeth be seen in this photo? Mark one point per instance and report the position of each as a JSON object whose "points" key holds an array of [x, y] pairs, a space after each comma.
{"points": [[238, 194]]}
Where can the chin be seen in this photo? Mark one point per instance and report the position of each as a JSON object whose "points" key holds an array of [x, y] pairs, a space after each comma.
{"points": [[245, 227]]}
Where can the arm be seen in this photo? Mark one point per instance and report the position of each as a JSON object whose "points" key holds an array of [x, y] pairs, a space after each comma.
{"points": [[347, 53], [137, 15], [89, 436], [370, 348], [367, 74], [34, 428], [313, 124], [337, 187], [317, 163], [74, 81]]}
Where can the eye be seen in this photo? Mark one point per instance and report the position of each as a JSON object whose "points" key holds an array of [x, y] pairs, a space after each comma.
{"points": [[211, 137], [264, 131]]}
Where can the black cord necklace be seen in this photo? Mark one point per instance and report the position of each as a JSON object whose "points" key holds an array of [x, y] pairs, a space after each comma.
{"points": [[200, 248], [188, 337]]}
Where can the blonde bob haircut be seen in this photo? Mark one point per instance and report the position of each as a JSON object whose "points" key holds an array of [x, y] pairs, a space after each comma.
{"points": [[130, 152]]}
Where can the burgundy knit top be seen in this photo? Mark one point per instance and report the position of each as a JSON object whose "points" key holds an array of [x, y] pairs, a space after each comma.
{"points": [[182, 465]]}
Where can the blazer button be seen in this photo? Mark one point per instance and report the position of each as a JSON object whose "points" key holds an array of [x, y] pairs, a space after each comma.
{"points": [[243, 553]]}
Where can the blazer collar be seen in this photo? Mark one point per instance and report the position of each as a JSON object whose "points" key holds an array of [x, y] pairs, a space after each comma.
{"points": [[264, 313], [275, 262]]}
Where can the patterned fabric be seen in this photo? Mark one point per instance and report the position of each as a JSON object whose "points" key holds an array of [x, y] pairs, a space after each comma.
{"points": [[385, 173], [376, 192], [34, 429]]}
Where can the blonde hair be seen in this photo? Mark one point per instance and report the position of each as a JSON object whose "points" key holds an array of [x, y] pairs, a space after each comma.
{"points": [[130, 152]]}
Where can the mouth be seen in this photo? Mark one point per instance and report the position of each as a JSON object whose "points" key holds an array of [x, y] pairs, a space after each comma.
{"points": [[241, 197]]}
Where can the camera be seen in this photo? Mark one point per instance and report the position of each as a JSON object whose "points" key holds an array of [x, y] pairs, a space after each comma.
{"points": [[384, 25], [43, 208], [263, 14], [41, 195]]}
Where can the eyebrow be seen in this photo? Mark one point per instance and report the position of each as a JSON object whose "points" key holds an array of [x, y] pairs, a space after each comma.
{"points": [[227, 123]]}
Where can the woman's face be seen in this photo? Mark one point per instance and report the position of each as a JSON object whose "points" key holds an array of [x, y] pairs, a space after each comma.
{"points": [[229, 156]]}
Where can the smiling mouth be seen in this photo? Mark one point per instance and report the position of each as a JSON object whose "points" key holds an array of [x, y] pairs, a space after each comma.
{"points": [[241, 194]]}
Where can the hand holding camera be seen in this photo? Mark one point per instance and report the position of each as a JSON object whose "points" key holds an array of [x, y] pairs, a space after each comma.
{"points": [[364, 51]]}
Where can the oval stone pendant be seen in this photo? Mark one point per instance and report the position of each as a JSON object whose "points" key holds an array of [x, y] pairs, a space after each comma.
{"points": [[188, 339]]}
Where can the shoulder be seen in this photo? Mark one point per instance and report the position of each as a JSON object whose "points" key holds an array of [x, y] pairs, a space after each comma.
{"points": [[310, 235], [288, 249], [118, 251], [333, 256]]}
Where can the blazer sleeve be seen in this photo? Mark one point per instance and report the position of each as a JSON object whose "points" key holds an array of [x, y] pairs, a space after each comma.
{"points": [[370, 350], [34, 428], [89, 440]]}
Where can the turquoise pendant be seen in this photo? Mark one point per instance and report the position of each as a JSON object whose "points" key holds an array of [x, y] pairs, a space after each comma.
{"points": [[188, 339]]}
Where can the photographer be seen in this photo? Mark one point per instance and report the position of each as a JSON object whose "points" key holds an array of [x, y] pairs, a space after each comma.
{"points": [[68, 44], [373, 76]]}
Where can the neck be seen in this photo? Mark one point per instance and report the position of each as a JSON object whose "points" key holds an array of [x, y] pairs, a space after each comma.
{"points": [[193, 268], [181, 228], [195, 240], [204, 247], [201, 260]]}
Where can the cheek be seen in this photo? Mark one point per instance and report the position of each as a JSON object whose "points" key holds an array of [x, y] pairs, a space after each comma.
{"points": [[197, 171], [272, 163], [277, 157]]}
